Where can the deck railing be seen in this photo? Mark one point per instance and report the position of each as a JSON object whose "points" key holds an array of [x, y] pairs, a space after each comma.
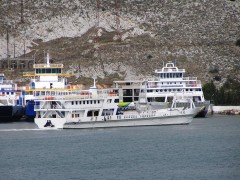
{"points": [[79, 107], [169, 70], [44, 94], [28, 73], [7, 82], [48, 66]]}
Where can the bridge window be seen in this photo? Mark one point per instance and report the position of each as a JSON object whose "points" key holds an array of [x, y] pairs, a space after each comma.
{"points": [[48, 70]]}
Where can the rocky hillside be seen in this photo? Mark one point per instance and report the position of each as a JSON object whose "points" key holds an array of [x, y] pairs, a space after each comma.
{"points": [[125, 39]]}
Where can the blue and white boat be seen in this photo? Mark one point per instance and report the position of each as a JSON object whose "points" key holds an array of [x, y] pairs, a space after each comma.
{"points": [[11, 104]]}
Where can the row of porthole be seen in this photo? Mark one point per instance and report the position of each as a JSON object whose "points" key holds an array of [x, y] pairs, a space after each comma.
{"points": [[172, 90], [86, 102]]}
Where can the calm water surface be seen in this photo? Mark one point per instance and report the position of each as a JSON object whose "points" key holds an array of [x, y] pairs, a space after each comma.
{"points": [[208, 148]]}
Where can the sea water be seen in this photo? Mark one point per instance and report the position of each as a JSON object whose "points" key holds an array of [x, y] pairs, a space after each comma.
{"points": [[208, 148]]}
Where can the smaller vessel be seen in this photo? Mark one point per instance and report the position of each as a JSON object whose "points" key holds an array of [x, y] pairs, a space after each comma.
{"points": [[11, 107], [169, 81], [100, 108]]}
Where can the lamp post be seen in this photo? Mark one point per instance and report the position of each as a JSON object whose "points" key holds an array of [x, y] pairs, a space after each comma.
{"points": [[211, 101], [211, 104]]}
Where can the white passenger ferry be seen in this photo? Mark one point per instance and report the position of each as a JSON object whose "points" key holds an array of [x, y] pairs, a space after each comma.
{"points": [[101, 108], [167, 83]]}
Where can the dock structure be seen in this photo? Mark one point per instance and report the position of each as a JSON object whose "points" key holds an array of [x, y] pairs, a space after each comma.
{"points": [[17, 63]]}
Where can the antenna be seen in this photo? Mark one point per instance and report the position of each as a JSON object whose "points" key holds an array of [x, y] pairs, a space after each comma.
{"points": [[117, 18], [8, 46], [98, 13], [117, 7], [22, 19]]}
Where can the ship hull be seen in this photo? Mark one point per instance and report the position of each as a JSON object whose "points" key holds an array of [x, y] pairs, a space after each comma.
{"points": [[29, 111], [127, 120], [11, 113], [203, 109], [130, 122]]}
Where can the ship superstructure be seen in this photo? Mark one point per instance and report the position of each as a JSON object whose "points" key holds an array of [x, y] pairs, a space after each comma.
{"points": [[46, 79]]}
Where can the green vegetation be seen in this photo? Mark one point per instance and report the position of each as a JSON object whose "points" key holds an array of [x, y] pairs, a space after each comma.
{"points": [[238, 42], [228, 94]]}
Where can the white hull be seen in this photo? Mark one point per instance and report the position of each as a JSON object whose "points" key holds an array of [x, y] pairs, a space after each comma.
{"points": [[130, 122], [128, 119]]}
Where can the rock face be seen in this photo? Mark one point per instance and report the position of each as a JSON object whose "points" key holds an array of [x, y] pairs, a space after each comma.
{"points": [[125, 39]]}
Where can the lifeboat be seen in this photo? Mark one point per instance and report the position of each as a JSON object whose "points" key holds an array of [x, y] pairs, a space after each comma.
{"points": [[112, 93], [85, 93], [49, 98]]}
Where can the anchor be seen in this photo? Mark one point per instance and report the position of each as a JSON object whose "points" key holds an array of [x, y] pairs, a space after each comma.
{"points": [[48, 124]]}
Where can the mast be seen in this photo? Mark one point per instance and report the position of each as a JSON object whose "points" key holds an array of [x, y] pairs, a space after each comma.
{"points": [[48, 59], [8, 47]]}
